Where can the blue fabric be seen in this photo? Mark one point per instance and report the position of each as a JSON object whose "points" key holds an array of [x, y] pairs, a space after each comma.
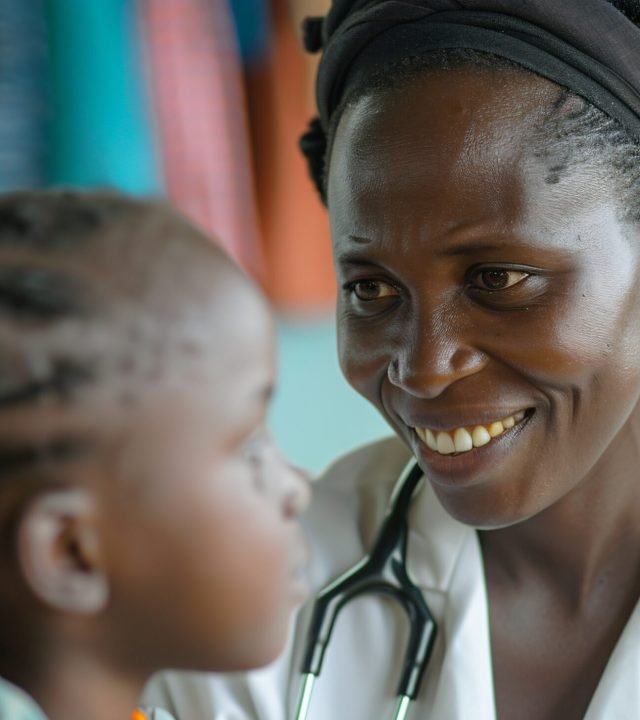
{"points": [[101, 133], [23, 94], [252, 22]]}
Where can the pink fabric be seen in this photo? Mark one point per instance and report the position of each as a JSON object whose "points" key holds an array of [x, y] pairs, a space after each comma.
{"points": [[197, 92]]}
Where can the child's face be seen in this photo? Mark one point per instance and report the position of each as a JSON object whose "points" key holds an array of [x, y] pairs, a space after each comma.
{"points": [[202, 548]]}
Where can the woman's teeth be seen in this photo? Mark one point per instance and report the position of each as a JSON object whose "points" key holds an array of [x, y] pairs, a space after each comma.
{"points": [[463, 439]]}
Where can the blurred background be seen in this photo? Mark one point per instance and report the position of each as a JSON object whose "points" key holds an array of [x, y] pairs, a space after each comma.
{"points": [[201, 101]]}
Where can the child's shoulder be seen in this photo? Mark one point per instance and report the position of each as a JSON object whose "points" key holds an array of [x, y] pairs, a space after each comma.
{"points": [[15, 704]]}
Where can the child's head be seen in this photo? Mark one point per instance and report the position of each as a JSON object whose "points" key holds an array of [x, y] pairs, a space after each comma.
{"points": [[147, 518]]}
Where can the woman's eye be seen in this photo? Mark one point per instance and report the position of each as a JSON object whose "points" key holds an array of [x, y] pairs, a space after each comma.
{"points": [[367, 290], [494, 279]]}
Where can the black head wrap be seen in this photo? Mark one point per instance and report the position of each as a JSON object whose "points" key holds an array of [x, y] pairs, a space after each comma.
{"points": [[587, 46]]}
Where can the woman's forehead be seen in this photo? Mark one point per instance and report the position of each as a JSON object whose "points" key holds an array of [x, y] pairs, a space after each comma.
{"points": [[429, 107], [461, 130], [459, 149]]}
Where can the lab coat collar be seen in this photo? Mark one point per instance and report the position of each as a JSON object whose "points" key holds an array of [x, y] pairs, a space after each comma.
{"points": [[445, 559], [435, 541], [618, 694]]}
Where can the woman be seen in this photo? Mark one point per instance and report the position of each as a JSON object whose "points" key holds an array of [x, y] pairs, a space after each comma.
{"points": [[482, 177]]}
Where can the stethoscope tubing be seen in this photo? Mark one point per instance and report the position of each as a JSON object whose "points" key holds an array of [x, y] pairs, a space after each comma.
{"points": [[304, 701], [384, 570]]}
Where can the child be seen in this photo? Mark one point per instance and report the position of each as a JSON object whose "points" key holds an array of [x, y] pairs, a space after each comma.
{"points": [[148, 520]]}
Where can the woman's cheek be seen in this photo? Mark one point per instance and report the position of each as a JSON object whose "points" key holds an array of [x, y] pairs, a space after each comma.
{"points": [[363, 363]]}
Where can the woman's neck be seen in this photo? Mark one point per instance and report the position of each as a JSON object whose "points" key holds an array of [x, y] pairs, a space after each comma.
{"points": [[588, 540]]}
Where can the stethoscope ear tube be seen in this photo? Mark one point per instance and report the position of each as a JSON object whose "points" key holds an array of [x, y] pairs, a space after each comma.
{"points": [[382, 571]]}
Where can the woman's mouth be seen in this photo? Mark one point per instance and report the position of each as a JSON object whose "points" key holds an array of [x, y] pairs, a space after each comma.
{"points": [[463, 439]]}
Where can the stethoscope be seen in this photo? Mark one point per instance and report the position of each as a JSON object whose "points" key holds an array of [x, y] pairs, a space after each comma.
{"points": [[384, 570]]}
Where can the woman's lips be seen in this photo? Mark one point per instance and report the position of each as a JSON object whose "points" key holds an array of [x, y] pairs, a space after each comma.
{"points": [[468, 466], [466, 438]]}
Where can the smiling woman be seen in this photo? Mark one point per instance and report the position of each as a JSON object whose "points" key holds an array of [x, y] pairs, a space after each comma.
{"points": [[480, 161], [486, 295]]}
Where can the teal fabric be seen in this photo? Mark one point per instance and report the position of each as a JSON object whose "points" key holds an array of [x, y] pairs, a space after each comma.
{"points": [[100, 133], [253, 29], [15, 705]]}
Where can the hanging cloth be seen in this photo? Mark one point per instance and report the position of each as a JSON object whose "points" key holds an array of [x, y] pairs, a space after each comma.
{"points": [[23, 94], [197, 93], [100, 132], [299, 274], [252, 24]]}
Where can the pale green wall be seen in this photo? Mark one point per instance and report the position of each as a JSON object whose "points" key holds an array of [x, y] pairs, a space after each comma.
{"points": [[316, 414]]}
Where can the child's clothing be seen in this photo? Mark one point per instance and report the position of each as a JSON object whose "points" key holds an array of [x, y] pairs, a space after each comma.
{"points": [[17, 705], [151, 714]]}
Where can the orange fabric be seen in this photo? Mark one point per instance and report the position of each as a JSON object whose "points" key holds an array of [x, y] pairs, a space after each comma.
{"points": [[295, 229]]}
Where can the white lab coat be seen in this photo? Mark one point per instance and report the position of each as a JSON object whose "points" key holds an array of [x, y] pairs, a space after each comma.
{"points": [[362, 666]]}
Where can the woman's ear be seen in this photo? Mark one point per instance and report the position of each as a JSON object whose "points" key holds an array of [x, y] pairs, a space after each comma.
{"points": [[59, 551]]}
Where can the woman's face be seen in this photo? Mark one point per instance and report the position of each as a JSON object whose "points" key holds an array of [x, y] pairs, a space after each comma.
{"points": [[490, 314]]}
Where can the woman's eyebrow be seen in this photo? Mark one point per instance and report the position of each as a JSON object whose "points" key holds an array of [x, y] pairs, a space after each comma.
{"points": [[352, 261], [462, 246], [350, 258], [471, 248]]}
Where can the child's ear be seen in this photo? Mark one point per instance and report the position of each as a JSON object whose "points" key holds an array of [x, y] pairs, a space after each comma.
{"points": [[59, 551]]}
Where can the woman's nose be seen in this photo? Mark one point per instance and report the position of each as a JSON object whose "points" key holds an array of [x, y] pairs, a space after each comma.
{"points": [[427, 363]]}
